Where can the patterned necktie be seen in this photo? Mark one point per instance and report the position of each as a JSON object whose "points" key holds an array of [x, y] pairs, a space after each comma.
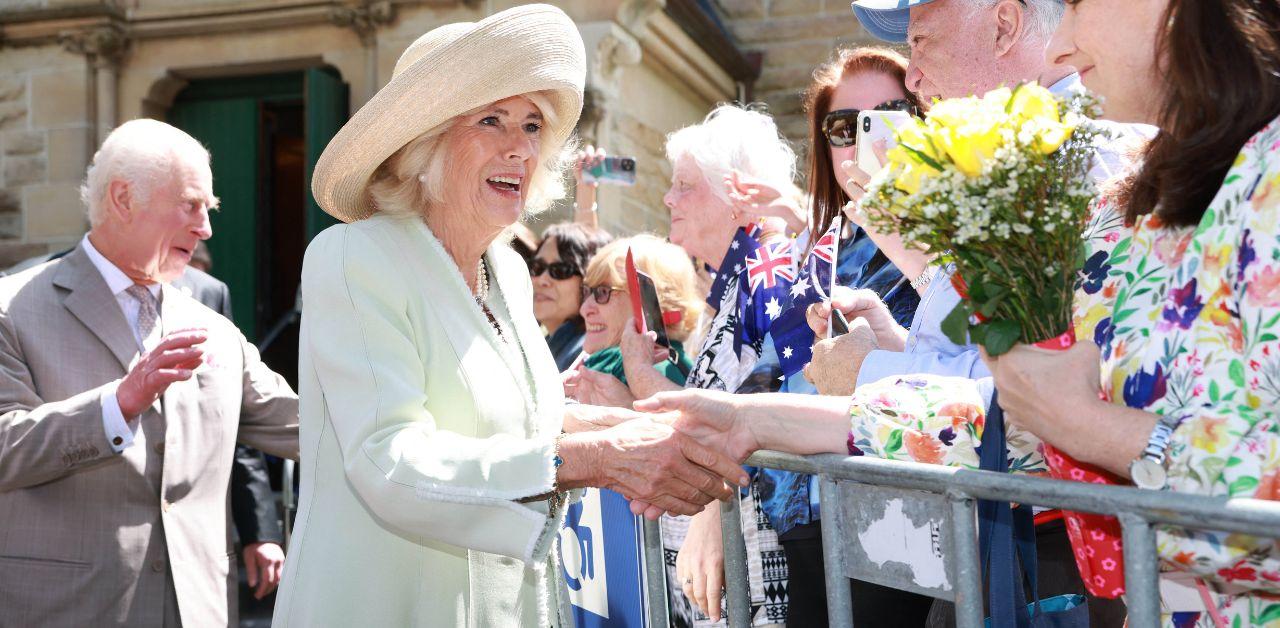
{"points": [[147, 312]]}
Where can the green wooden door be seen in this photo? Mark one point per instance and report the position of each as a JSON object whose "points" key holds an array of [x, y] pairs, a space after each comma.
{"points": [[326, 111], [229, 128]]}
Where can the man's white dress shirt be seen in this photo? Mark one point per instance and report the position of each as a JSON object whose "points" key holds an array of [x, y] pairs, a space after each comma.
{"points": [[119, 434]]}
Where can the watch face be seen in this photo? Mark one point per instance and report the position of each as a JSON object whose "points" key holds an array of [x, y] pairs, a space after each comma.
{"points": [[1147, 473]]}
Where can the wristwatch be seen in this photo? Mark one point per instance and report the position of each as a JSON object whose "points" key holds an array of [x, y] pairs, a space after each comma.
{"points": [[924, 278], [1150, 469]]}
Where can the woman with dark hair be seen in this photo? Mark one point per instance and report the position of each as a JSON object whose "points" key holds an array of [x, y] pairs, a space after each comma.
{"points": [[556, 271], [1189, 358]]}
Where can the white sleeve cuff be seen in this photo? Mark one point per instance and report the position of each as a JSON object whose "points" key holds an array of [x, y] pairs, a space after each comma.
{"points": [[119, 434]]}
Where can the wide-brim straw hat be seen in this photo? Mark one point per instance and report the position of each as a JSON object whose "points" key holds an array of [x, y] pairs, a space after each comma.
{"points": [[447, 72]]}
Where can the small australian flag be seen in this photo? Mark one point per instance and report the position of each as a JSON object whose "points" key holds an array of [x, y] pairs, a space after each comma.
{"points": [[765, 292], [792, 337]]}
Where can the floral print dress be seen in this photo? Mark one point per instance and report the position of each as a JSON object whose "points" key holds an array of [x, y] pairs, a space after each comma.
{"points": [[1188, 323], [1194, 333]]}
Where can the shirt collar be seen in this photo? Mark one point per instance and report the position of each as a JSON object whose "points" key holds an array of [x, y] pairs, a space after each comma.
{"points": [[116, 280], [1067, 85]]}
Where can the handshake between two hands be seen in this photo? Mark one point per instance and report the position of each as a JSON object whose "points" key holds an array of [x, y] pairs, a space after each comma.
{"points": [[676, 453]]}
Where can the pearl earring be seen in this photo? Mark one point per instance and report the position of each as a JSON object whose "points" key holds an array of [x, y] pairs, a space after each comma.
{"points": [[422, 178]]}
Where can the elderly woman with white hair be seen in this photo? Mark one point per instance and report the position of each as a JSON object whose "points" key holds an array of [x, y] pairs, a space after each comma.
{"points": [[710, 160], [437, 446]]}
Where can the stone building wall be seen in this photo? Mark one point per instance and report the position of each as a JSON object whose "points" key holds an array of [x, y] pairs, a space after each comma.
{"points": [[70, 70], [795, 36], [43, 149]]}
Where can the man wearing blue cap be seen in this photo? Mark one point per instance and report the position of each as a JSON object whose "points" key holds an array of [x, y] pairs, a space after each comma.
{"points": [[965, 47], [960, 48]]}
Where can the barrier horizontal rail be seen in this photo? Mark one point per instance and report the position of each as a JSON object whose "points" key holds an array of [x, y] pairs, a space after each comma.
{"points": [[1246, 516], [1138, 511]]}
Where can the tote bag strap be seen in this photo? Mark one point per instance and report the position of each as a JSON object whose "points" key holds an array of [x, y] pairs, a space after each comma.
{"points": [[1003, 534]]}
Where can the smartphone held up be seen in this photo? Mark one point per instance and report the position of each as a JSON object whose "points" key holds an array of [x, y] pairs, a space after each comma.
{"points": [[611, 170], [873, 127]]}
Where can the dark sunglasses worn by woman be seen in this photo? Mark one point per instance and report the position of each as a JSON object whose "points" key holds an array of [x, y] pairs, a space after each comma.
{"points": [[841, 126], [559, 270]]}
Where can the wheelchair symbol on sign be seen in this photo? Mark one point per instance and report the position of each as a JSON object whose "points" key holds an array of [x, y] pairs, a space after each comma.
{"points": [[577, 558]]}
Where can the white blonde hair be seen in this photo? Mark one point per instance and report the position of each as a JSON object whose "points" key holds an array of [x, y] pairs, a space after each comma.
{"points": [[412, 178], [141, 152], [732, 138]]}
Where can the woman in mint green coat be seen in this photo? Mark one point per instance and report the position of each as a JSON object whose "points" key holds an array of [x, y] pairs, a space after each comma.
{"points": [[436, 444]]}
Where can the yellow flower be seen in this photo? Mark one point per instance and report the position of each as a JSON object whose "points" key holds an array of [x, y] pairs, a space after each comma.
{"points": [[908, 178], [913, 136], [1033, 102], [953, 112], [1049, 135], [997, 98], [970, 147]]}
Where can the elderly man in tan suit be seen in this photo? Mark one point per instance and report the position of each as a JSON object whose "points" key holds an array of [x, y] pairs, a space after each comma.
{"points": [[121, 401]]}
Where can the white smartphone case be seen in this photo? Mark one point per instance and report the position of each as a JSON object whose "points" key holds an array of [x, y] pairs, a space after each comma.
{"points": [[872, 127]]}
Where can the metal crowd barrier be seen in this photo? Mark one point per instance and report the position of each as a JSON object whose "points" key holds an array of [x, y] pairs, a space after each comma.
{"points": [[946, 497]]}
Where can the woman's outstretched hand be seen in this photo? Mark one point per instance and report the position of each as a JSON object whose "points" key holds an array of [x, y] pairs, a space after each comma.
{"points": [[652, 463], [716, 419], [712, 418]]}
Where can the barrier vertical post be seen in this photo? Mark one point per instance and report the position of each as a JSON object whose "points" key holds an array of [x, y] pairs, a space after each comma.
{"points": [[968, 564], [736, 583], [1141, 571], [655, 570], [839, 598]]}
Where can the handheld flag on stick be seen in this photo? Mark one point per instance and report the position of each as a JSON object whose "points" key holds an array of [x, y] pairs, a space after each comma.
{"points": [[792, 337]]}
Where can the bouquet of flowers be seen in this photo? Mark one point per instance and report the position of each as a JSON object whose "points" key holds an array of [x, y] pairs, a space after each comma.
{"points": [[999, 184]]}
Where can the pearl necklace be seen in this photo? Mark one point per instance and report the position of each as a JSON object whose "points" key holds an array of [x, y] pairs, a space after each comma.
{"points": [[482, 284]]}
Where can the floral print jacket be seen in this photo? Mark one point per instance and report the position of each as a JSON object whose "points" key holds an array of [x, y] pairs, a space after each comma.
{"points": [[1188, 323]]}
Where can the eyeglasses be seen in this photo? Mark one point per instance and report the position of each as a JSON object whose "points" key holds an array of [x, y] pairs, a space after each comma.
{"points": [[601, 294], [559, 270], [841, 126]]}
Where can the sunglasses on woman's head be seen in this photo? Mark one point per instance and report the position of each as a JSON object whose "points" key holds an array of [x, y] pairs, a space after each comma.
{"points": [[841, 126], [559, 270], [601, 294]]}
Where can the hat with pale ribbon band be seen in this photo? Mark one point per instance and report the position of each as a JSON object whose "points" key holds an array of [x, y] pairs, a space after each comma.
{"points": [[447, 72]]}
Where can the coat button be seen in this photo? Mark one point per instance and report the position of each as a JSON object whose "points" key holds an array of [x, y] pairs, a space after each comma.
{"points": [[159, 448], [117, 441], [157, 565]]}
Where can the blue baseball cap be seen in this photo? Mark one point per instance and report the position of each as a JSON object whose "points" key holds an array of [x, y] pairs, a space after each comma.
{"points": [[886, 20]]}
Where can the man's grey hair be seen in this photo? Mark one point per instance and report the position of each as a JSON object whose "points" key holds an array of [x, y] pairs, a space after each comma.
{"points": [[1042, 16], [141, 152]]}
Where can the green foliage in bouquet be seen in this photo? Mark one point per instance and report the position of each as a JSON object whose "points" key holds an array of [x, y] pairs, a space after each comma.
{"points": [[1000, 185]]}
